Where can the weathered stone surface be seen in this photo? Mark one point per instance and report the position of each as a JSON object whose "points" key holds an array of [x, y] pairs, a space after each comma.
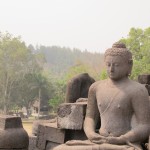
{"points": [[149, 143], [49, 132], [78, 87], [51, 145], [13, 149], [148, 88], [7, 122], [32, 142], [75, 135], [93, 147], [144, 79], [12, 135], [71, 115], [36, 124]]}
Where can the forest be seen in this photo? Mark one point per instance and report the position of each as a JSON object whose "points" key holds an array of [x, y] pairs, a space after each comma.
{"points": [[29, 73]]}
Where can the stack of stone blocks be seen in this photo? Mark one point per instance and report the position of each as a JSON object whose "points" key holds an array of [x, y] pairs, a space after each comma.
{"points": [[68, 126]]}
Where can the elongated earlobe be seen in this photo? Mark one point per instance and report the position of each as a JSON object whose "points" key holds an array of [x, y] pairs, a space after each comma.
{"points": [[130, 62]]}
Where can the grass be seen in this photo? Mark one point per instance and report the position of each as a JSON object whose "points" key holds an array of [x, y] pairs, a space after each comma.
{"points": [[27, 125]]}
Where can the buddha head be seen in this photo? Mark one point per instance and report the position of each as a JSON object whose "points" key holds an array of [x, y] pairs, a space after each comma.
{"points": [[118, 60]]}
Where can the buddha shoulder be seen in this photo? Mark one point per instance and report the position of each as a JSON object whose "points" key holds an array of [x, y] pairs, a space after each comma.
{"points": [[97, 85], [137, 88]]}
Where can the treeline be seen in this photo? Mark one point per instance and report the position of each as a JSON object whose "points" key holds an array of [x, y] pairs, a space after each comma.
{"points": [[60, 59]]}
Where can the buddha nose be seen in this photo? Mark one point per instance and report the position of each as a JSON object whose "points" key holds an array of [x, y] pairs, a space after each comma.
{"points": [[111, 68]]}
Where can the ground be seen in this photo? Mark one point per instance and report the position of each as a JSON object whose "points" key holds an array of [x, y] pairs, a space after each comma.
{"points": [[27, 125]]}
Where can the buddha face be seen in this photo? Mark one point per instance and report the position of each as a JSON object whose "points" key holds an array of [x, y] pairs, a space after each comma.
{"points": [[117, 67]]}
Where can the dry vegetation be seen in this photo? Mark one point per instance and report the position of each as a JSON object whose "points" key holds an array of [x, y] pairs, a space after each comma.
{"points": [[27, 125]]}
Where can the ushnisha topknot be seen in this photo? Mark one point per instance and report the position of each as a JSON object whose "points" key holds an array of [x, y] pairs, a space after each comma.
{"points": [[119, 49]]}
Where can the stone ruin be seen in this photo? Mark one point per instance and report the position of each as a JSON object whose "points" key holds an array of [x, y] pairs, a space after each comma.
{"points": [[77, 88], [68, 124]]}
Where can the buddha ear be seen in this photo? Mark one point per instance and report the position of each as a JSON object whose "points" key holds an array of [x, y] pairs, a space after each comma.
{"points": [[130, 62]]}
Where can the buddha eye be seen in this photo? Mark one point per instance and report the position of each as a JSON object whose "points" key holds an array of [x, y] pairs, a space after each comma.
{"points": [[108, 64], [116, 65]]}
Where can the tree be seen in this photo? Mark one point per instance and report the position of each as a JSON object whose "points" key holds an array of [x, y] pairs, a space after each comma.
{"points": [[24, 95], [58, 94], [15, 62], [41, 84], [78, 68], [138, 42]]}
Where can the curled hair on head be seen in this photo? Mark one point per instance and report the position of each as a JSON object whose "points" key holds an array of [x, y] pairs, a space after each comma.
{"points": [[119, 49]]}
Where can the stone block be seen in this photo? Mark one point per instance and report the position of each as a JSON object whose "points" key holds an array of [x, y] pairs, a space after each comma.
{"points": [[51, 145], [12, 134], [7, 122], [32, 142], [144, 79], [36, 124], [71, 115], [49, 132], [75, 135]]}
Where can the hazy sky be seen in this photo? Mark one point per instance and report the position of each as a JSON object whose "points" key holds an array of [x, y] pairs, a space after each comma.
{"points": [[85, 24]]}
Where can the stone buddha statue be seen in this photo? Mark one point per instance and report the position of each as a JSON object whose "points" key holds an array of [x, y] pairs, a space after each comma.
{"points": [[121, 105]]}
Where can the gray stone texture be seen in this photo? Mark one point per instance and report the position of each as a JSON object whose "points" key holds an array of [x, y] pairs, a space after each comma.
{"points": [[7, 122], [12, 134], [36, 124], [75, 135], [144, 79], [49, 136], [148, 88], [13, 149], [51, 145], [78, 87], [149, 143], [71, 115], [32, 143], [49, 132]]}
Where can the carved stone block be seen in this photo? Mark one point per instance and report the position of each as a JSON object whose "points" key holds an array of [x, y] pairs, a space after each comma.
{"points": [[71, 115], [51, 145], [50, 136], [12, 134], [32, 143], [49, 132], [75, 135], [7, 122]]}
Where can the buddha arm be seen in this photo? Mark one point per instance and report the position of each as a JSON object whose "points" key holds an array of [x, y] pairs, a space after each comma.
{"points": [[92, 114], [141, 109], [139, 134]]}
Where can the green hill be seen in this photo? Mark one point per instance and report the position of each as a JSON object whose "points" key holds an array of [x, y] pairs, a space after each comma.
{"points": [[60, 59]]}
